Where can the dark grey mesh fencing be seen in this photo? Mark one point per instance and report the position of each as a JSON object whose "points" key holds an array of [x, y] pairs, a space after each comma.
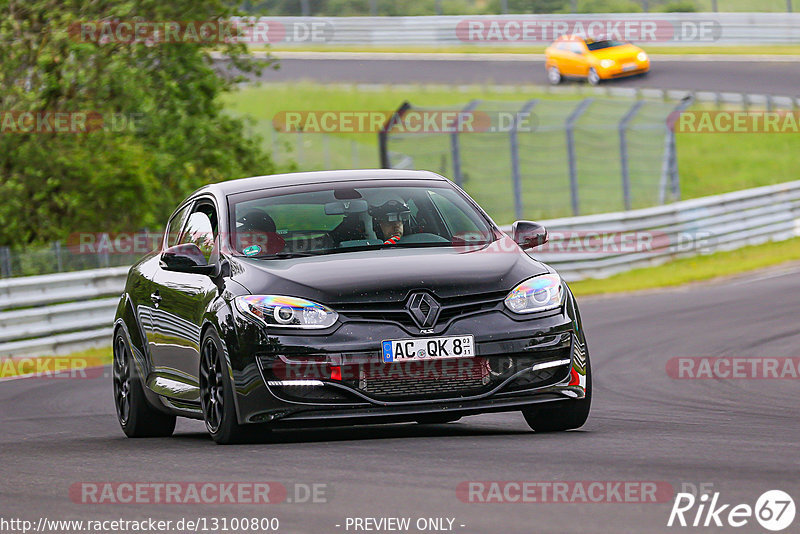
{"points": [[549, 158]]}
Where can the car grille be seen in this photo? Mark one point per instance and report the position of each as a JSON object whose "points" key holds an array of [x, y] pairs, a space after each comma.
{"points": [[395, 311], [429, 379]]}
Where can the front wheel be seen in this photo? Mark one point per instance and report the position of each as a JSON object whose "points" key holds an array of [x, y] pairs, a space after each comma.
{"points": [[561, 415], [216, 397], [593, 78], [135, 415]]}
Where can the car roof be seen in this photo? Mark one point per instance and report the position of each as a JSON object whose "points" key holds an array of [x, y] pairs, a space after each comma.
{"points": [[255, 183]]}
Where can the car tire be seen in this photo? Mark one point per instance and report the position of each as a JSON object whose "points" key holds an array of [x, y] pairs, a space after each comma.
{"points": [[216, 397], [437, 419], [593, 78], [561, 415], [135, 415], [553, 75]]}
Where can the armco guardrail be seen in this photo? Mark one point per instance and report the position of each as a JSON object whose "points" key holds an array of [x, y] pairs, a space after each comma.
{"points": [[598, 246], [58, 313], [487, 30], [71, 311]]}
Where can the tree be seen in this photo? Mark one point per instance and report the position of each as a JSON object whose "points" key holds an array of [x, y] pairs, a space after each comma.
{"points": [[156, 127]]}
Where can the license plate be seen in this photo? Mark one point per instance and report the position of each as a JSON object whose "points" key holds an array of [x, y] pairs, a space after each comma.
{"points": [[430, 348], [629, 66]]}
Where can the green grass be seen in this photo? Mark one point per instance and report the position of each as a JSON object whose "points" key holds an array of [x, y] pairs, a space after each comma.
{"points": [[696, 269], [77, 360], [772, 50]]}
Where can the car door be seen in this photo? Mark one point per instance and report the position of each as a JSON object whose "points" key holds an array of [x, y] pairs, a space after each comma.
{"points": [[579, 58], [560, 56], [145, 290], [182, 300]]}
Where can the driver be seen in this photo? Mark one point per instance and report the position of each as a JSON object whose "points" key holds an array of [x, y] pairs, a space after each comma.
{"points": [[389, 219]]}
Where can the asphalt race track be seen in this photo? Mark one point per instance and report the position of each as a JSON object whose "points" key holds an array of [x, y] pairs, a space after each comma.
{"points": [[739, 435], [763, 77]]}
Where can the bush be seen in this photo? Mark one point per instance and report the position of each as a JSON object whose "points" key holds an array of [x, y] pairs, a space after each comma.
{"points": [[112, 179]]}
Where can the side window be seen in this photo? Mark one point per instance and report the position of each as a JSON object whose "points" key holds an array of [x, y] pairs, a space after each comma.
{"points": [[456, 220], [175, 224], [201, 229], [576, 48]]}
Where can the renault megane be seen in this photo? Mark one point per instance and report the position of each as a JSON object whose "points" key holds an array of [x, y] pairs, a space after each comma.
{"points": [[339, 298]]}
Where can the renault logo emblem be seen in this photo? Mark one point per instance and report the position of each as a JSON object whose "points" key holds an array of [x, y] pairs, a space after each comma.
{"points": [[424, 309]]}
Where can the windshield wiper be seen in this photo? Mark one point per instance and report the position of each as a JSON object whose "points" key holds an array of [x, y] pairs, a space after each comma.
{"points": [[284, 255]]}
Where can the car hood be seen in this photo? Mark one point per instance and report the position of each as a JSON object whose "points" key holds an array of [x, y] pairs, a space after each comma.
{"points": [[388, 274], [617, 53]]}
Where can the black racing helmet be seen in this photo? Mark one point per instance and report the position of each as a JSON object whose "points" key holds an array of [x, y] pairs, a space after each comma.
{"points": [[391, 211]]}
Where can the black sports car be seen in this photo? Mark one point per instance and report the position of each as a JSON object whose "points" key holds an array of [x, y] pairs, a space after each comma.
{"points": [[344, 297]]}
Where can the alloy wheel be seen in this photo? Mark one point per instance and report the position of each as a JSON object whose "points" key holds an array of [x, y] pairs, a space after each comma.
{"points": [[211, 385], [122, 380], [593, 77]]}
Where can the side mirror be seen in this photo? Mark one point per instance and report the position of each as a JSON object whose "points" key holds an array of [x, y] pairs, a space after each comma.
{"points": [[528, 234], [186, 258]]}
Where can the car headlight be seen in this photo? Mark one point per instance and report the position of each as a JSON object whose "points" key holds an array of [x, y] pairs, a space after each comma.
{"points": [[286, 312], [641, 56], [536, 294], [607, 63]]}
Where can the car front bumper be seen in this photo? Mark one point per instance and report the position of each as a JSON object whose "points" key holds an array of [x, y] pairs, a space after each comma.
{"points": [[327, 378]]}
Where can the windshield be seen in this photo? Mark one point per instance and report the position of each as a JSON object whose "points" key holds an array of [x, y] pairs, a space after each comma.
{"points": [[598, 45], [349, 217]]}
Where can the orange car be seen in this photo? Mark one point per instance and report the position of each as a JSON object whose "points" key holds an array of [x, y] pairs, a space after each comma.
{"points": [[571, 56]]}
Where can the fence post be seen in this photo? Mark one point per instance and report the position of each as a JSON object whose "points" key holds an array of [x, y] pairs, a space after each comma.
{"points": [[669, 166], [623, 152], [383, 135], [5, 261], [455, 146], [515, 174], [57, 253], [504, 7], [102, 252], [573, 168]]}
